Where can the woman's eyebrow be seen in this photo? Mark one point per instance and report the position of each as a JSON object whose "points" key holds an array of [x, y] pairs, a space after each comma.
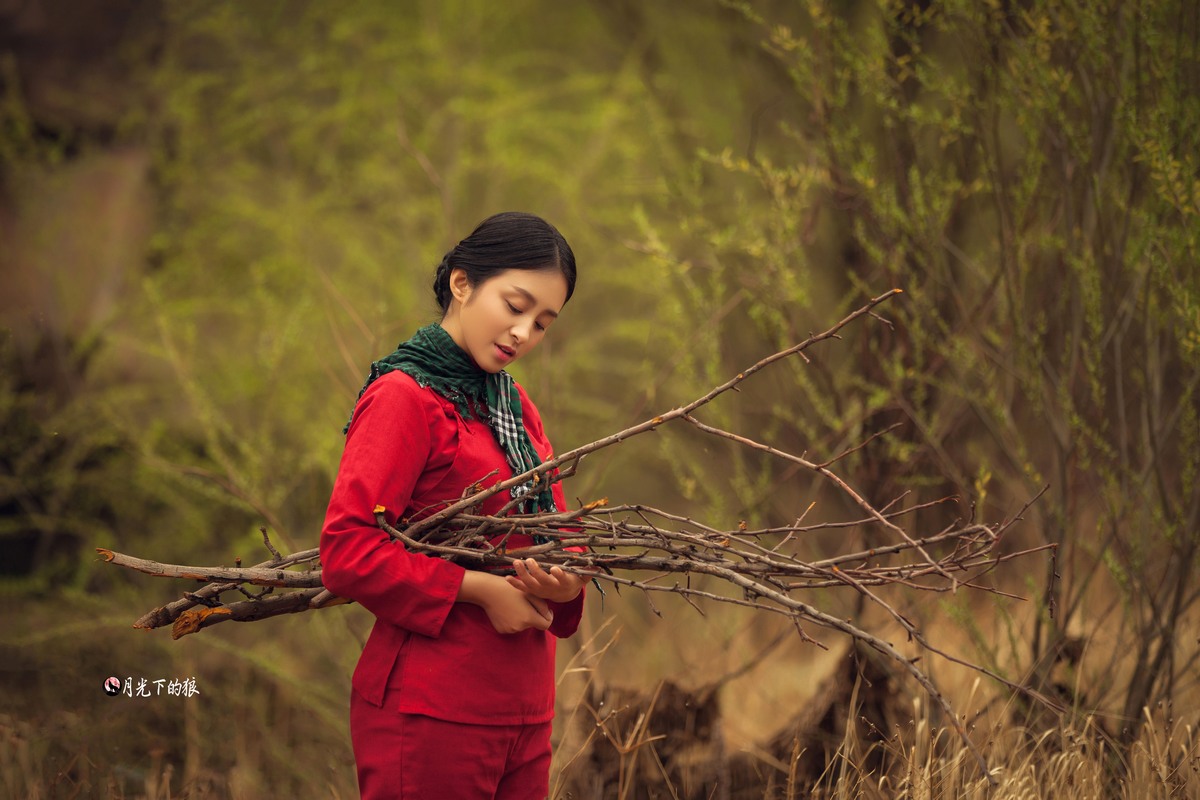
{"points": [[529, 296]]}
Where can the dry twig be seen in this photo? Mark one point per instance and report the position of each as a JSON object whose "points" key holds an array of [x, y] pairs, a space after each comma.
{"points": [[643, 548]]}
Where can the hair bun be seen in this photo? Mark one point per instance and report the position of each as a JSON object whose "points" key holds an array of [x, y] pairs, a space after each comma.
{"points": [[441, 282]]}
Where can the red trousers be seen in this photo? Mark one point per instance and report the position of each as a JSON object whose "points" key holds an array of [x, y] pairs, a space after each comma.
{"points": [[411, 756]]}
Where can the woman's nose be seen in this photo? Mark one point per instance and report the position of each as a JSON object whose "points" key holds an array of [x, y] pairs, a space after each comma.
{"points": [[520, 330]]}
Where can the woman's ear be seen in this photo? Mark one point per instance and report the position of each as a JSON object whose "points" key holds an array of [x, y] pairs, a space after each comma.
{"points": [[460, 284]]}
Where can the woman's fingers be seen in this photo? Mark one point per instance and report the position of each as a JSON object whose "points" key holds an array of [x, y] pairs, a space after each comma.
{"points": [[540, 606], [557, 584], [531, 574], [510, 609]]}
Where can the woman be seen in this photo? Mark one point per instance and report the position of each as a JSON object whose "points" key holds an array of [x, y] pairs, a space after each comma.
{"points": [[454, 692]]}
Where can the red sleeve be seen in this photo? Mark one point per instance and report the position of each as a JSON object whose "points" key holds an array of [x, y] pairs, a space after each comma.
{"points": [[387, 448]]}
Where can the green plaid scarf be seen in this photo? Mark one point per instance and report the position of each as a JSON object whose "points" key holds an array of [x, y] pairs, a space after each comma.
{"points": [[433, 359]]}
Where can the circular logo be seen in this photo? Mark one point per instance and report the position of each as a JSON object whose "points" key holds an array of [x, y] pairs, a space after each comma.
{"points": [[112, 686]]}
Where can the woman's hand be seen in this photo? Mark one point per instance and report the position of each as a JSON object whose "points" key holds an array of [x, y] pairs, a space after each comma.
{"points": [[557, 585], [509, 609]]}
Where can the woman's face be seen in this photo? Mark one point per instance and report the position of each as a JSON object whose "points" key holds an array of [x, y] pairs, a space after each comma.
{"points": [[503, 318]]}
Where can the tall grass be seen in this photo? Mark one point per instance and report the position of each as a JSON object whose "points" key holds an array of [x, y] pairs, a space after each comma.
{"points": [[270, 722], [917, 757]]}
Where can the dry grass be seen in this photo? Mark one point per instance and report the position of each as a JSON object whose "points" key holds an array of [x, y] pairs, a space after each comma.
{"points": [[271, 719], [1069, 757], [1073, 762]]}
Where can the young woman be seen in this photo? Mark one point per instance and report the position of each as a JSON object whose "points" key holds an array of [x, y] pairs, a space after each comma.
{"points": [[454, 692]]}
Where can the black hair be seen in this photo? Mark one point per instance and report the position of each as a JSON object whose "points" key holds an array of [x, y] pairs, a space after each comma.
{"points": [[509, 240]]}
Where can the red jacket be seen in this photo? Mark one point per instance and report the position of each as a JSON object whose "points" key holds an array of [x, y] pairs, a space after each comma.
{"points": [[409, 450]]}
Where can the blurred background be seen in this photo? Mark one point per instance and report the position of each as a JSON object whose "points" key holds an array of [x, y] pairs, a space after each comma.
{"points": [[214, 215]]}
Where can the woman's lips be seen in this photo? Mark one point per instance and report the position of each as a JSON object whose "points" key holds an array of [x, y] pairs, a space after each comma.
{"points": [[505, 353]]}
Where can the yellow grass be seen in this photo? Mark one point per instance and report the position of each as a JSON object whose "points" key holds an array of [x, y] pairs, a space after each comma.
{"points": [[272, 716]]}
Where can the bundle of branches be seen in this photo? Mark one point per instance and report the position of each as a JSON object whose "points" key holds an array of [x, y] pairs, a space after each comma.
{"points": [[644, 548]]}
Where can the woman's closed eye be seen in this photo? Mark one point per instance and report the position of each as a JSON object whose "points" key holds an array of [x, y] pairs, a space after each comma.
{"points": [[518, 312]]}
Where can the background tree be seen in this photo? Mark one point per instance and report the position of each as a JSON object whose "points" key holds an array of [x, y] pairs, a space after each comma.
{"points": [[1028, 174]]}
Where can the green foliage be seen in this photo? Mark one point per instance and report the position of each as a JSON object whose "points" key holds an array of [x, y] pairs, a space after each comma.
{"points": [[69, 482], [314, 168]]}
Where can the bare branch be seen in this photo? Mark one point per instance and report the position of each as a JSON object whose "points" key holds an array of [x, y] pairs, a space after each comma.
{"points": [[651, 550]]}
